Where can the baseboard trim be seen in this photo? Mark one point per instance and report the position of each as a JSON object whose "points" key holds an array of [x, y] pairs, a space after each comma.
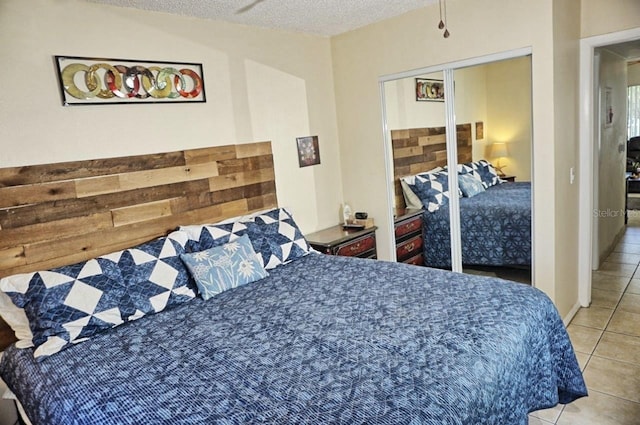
{"points": [[569, 317], [613, 245]]}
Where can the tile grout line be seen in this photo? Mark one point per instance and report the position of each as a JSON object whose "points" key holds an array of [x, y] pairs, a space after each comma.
{"points": [[615, 396], [606, 326], [615, 308]]}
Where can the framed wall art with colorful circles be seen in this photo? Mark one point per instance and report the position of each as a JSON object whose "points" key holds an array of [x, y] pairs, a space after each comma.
{"points": [[99, 81]]}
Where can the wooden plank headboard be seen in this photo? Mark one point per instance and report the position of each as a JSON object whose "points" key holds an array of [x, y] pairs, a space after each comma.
{"points": [[417, 150], [57, 214]]}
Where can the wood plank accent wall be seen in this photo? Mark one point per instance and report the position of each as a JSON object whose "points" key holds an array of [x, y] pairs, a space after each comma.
{"points": [[417, 150], [57, 214]]}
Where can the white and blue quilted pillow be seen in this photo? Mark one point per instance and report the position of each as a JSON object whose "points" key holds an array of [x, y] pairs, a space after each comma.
{"points": [[482, 170], [205, 236], [154, 276], [431, 188], [469, 169], [488, 173], [274, 235], [220, 268], [69, 304]]}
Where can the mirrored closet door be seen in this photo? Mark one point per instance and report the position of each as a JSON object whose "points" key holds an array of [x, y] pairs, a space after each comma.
{"points": [[475, 141], [415, 117]]}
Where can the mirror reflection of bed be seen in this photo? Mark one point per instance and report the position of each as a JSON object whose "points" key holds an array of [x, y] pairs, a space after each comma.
{"points": [[494, 134]]}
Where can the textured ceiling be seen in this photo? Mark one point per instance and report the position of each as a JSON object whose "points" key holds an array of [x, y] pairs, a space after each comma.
{"points": [[321, 17]]}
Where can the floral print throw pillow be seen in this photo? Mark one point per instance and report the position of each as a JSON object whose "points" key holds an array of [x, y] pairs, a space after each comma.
{"points": [[224, 267]]}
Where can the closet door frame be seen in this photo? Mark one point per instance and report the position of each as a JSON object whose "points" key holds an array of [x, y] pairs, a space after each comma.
{"points": [[448, 70]]}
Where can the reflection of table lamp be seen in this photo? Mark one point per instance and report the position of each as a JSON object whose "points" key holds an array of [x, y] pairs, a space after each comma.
{"points": [[499, 150]]}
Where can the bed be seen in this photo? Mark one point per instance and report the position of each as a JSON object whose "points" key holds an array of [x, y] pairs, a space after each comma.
{"points": [[308, 338], [495, 219], [495, 228]]}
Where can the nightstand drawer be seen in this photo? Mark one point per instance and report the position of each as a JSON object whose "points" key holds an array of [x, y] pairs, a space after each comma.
{"points": [[409, 248], [417, 260], [413, 225], [357, 247], [408, 236], [350, 243]]}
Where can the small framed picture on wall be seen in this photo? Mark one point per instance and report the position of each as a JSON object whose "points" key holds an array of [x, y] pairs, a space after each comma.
{"points": [[608, 107], [308, 151], [479, 130]]}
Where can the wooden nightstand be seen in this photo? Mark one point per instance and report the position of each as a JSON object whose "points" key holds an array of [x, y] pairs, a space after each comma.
{"points": [[509, 178], [408, 234], [348, 243]]}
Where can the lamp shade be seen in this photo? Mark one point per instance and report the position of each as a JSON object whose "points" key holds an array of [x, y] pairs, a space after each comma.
{"points": [[499, 150]]}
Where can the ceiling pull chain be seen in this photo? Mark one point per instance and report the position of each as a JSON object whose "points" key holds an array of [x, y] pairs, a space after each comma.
{"points": [[446, 31], [441, 24]]}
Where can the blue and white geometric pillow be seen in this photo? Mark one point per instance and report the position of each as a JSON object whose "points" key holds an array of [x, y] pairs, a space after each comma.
{"points": [[220, 268], [469, 168], [276, 238], [488, 173], [154, 276], [431, 188], [69, 304], [205, 236], [411, 200], [274, 235], [482, 170]]}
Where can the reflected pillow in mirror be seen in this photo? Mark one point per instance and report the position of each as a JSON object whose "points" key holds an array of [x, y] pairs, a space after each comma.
{"points": [[469, 185]]}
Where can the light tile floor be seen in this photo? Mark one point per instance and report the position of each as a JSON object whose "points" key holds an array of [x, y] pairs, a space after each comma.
{"points": [[606, 338]]}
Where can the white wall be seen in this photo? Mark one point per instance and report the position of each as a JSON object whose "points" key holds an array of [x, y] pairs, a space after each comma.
{"points": [[612, 151], [260, 85]]}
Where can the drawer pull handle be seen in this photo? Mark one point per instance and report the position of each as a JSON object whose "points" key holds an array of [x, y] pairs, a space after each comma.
{"points": [[409, 247], [355, 247]]}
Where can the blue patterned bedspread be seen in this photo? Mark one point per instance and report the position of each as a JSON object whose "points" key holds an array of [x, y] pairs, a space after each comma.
{"points": [[495, 229], [322, 340]]}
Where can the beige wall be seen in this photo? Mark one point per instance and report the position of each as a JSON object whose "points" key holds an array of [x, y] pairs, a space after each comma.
{"points": [[612, 149], [605, 16], [509, 113], [633, 74], [260, 85], [471, 105], [409, 42], [565, 83], [402, 109]]}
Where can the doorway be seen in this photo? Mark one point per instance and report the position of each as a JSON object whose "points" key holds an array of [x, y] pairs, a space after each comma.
{"points": [[593, 97]]}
